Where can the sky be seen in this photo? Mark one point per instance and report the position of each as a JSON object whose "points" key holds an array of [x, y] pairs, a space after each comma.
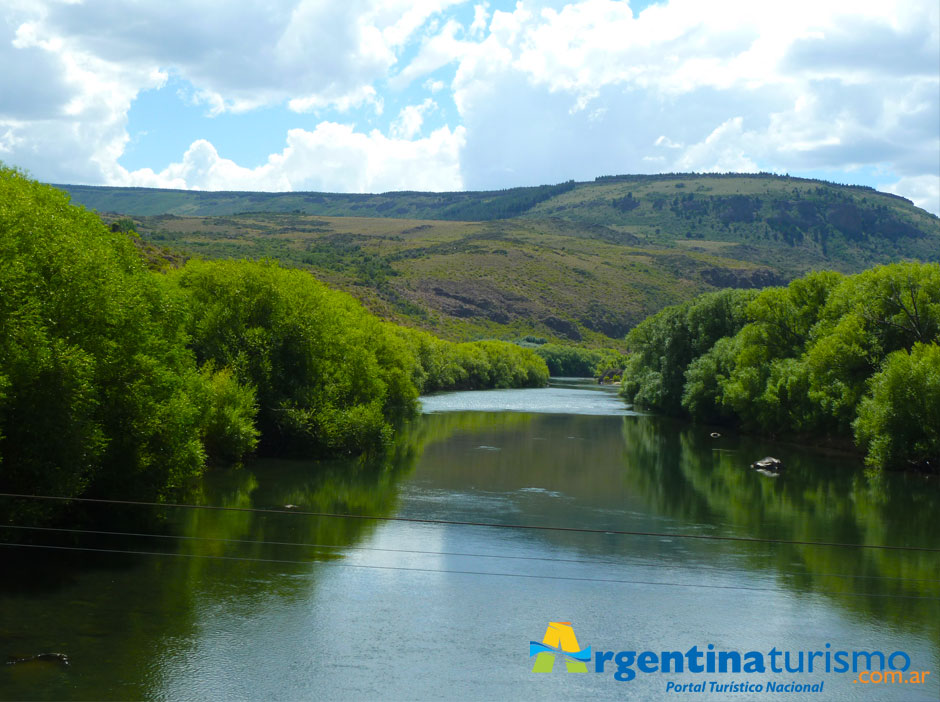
{"points": [[380, 95]]}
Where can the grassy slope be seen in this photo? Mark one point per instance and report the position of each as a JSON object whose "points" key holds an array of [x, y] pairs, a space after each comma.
{"points": [[791, 224], [466, 280], [581, 262]]}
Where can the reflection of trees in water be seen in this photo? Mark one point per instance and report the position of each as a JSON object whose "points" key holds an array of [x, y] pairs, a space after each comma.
{"points": [[355, 486], [688, 475], [121, 618], [569, 453]]}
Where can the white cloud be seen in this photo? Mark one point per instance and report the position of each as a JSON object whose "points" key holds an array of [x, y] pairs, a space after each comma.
{"points": [[410, 119], [544, 92], [344, 103], [722, 151], [63, 111], [332, 157], [790, 86], [436, 51], [79, 67], [480, 16], [249, 53], [663, 140], [923, 191]]}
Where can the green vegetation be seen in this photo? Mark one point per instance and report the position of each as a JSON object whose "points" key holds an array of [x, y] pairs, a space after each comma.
{"points": [[578, 362], [574, 263], [570, 361], [116, 380], [464, 205], [443, 365], [823, 357], [900, 417], [466, 281], [665, 345], [328, 375], [100, 394]]}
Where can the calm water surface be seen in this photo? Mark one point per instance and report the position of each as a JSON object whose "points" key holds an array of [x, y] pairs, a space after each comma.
{"points": [[223, 605]]}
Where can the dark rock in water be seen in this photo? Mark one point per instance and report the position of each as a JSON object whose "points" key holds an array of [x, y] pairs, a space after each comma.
{"points": [[60, 658], [768, 464], [715, 435]]}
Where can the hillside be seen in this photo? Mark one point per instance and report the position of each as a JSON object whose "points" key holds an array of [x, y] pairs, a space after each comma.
{"points": [[580, 262]]}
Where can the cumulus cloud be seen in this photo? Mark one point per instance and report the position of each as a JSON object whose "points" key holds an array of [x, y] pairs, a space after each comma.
{"points": [[363, 95], [80, 66], [480, 16], [245, 52], [332, 157], [744, 86], [436, 51], [545, 91], [722, 151], [63, 111], [411, 118], [923, 191]]}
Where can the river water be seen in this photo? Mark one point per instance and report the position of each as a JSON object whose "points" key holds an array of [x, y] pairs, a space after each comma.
{"points": [[284, 605]]}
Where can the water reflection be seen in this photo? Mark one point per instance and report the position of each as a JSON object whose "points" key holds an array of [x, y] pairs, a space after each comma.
{"points": [[228, 613], [126, 619], [686, 474], [651, 474]]}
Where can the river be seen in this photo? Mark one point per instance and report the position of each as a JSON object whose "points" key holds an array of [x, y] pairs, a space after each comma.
{"points": [[208, 604]]}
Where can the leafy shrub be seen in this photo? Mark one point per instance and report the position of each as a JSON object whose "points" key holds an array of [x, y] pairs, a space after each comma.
{"points": [[899, 418], [116, 381], [825, 356], [329, 376], [228, 427], [443, 365], [663, 346]]}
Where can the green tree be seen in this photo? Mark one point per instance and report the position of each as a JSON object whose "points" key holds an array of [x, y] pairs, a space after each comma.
{"points": [[898, 420], [329, 376], [98, 392], [663, 346]]}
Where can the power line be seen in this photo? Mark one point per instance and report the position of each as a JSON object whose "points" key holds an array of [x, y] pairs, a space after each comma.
{"points": [[443, 553], [458, 572], [453, 522]]}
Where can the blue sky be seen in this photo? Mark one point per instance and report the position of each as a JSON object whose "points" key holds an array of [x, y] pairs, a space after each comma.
{"points": [[372, 95]]}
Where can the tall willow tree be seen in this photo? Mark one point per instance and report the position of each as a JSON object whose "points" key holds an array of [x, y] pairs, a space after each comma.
{"points": [[98, 391], [329, 376]]}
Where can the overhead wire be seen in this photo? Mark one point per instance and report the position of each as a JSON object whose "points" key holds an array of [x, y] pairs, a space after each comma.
{"points": [[462, 572], [497, 525], [592, 561]]}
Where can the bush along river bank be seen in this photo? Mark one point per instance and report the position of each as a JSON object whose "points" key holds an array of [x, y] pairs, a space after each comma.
{"points": [[827, 359], [117, 380]]}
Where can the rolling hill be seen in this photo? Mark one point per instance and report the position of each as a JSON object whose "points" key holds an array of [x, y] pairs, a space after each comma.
{"points": [[575, 262]]}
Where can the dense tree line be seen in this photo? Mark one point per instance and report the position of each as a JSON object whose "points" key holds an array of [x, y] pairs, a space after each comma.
{"points": [[577, 362], [827, 356], [119, 381], [504, 204], [569, 361]]}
